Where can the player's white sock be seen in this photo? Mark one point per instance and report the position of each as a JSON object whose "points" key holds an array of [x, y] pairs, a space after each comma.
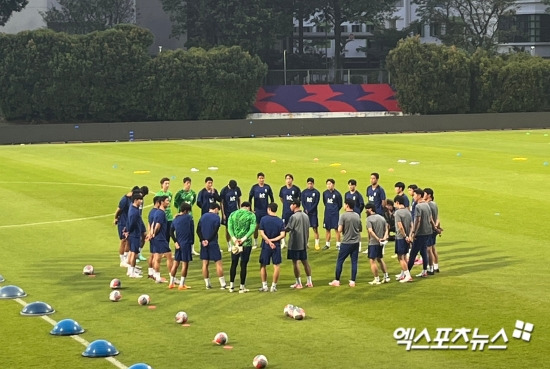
{"points": [[182, 281], [172, 279], [125, 256], [242, 287], [207, 281], [222, 281], [298, 280], [327, 243], [150, 271], [386, 275], [157, 276], [131, 270], [273, 285], [338, 244], [407, 274], [121, 258], [231, 285], [316, 242], [436, 266], [283, 243], [309, 279], [377, 278], [264, 284], [402, 274]]}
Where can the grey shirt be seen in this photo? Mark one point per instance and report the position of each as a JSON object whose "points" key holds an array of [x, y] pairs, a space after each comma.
{"points": [[423, 212], [378, 225], [351, 224], [403, 216], [434, 209], [298, 226]]}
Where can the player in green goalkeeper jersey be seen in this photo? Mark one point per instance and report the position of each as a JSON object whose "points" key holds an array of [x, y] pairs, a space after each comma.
{"points": [[241, 226]]}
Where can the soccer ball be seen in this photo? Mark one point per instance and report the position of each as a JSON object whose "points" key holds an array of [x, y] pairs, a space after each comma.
{"points": [[288, 309], [181, 317], [115, 283], [144, 300], [221, 338], [298, 313], [260, 361], [88, 270], [115, 296]]}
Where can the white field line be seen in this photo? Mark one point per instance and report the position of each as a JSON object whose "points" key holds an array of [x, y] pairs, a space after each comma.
{"points": [[77, 338]]}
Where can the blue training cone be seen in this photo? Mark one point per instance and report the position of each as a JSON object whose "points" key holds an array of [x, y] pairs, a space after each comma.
{"points": [[37, 308], [66, 327], [100, 348], [11, 292]]}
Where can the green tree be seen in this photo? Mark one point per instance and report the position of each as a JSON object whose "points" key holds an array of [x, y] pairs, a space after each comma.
{"points": [[81, 17], [337, 12], [255, 25], [468, 24], [430, 78], [7, 7]]}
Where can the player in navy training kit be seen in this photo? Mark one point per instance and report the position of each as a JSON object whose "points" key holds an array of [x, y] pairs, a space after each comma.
{"points": [[333, 203], [159, 243], [183, 235], [310, 201], [133, 233], [262, 195], [121, 218], [207, 196], [207, 230], [376, 194], [287, 193], [231, 201], [272, 230]]}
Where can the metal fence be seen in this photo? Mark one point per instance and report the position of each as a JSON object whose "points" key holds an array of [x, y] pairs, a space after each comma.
{"points": [[326, 76]]}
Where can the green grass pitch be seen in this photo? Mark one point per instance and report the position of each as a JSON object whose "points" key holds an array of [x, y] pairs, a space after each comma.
{"points": [[57, 210]]}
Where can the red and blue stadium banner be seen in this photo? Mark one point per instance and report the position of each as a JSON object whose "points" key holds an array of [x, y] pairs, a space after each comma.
{"points": [[326, 98]]}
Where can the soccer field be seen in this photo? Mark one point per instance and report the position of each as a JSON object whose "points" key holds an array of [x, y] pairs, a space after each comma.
{"points": [[58, 203]]}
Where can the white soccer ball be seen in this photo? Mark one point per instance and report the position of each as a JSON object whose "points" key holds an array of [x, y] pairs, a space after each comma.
{"points": [[260, 361], [288, 309], [144, 299], [298, 313], [115, 283], [181, 317], [115, 296], [88, 270], [221, 338]]}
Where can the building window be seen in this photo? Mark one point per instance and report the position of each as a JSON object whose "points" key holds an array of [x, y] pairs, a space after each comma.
{"points": [[370, 27], [435, 29], [356, 28], [392, 23], [322, 29], [525, 28], [308, 29], [343, 28]]}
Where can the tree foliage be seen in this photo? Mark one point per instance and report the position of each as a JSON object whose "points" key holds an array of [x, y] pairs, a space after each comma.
{"points": [[255, 25], [337, 12], [81, 17], [109, 76], [435, 79], [8, 7], [468, 24], [429, 78]]}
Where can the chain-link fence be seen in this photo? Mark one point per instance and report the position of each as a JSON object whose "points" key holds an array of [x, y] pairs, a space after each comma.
{"points": [[326, 76]]}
